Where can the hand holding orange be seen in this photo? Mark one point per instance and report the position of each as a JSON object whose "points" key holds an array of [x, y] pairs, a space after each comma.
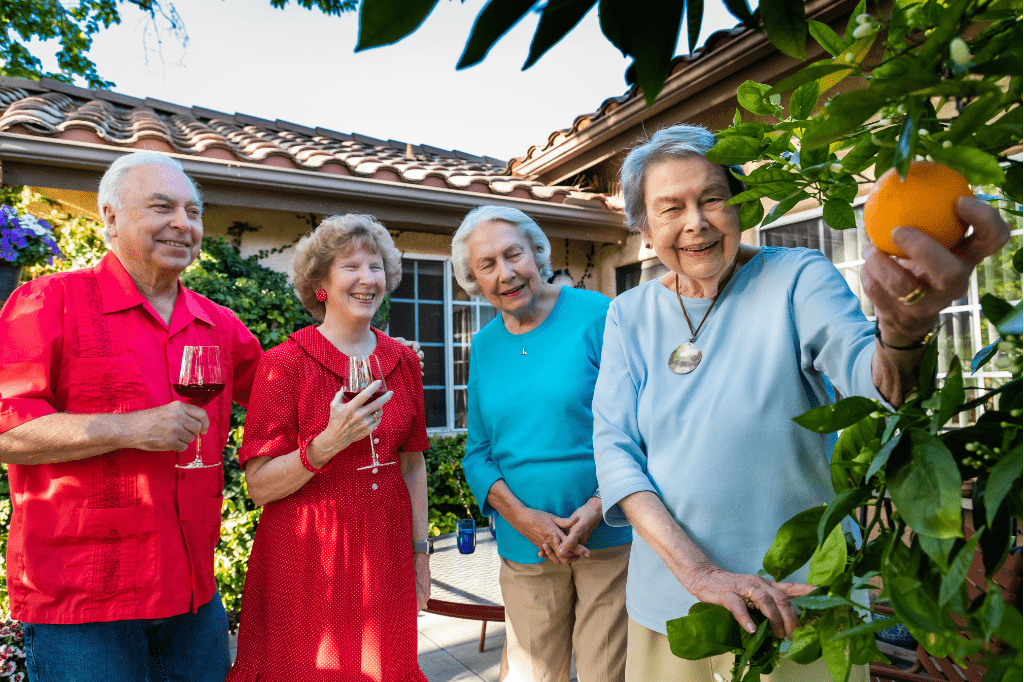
{"points": [[925, 201]]}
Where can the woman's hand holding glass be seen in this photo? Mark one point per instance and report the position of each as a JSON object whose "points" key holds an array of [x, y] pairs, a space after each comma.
{"points": [[350, 422]]}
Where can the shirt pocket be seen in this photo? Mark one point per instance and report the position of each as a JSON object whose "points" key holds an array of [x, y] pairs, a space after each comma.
{"points": [[200, 523], [111, 550], [105, 385]]}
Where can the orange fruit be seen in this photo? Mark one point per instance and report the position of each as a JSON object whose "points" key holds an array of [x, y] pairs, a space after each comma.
{"points": [[925, 201]]}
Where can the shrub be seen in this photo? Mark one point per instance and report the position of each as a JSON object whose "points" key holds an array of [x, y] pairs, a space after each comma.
{"points": [[448, 493]]}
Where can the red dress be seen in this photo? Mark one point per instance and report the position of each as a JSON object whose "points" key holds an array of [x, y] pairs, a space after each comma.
{"points": [[330, 593]]}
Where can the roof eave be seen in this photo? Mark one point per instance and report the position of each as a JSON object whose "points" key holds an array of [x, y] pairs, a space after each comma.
{"points": [[64, 164]]}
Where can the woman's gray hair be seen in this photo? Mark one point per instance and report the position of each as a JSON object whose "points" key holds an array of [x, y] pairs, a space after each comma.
{"points": [[678, 141], [112, 183], [539, 243], [340, 235]]}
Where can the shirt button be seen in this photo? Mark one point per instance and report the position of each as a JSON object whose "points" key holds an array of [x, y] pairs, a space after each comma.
{"points": [[374, 486]]}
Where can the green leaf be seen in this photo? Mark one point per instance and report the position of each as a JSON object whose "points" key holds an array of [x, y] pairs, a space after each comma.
{"points": [[835, 651], [751, 213], [906, 147], [829, 418], [829, 560], [984, 355], [882, 456], [994, 308], [954, 580], [556, 20], [754, 98], [771, 174], [952, 395], [926, 370], [382, 22], [809, 74], [839, 508], [805, 647], [839, 215], [869, 626], [785, 206], [1000, 481], [653, 33], [1012, 188], [991, 612], [709, 630], [926, 489], [861, 8], [973, 116], [740, 10], [794, 544], [493, 22], [826, 37], [734, 150], [842, 115], [1011, 323], [979, 167], [860, 156], [694, 17], [803, 99], [785, 23]]}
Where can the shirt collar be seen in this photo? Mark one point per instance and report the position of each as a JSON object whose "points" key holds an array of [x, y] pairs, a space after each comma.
{"points": [[119, 292]]}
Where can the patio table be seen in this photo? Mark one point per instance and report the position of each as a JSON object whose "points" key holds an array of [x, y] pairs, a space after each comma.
{"points": [[466, 585]]}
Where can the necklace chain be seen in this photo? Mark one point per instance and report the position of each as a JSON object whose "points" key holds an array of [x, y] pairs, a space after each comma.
{"points": [[694, 332]]}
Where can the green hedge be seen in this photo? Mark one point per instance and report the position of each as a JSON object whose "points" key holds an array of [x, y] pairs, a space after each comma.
{"points": [[448, 494]]}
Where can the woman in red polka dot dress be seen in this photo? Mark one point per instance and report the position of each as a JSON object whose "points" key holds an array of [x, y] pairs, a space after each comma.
{"points": [[334, 583]]}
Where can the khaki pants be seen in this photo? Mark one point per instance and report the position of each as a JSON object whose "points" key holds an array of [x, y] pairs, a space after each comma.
{"points": [[554, 609], [649, 658]]}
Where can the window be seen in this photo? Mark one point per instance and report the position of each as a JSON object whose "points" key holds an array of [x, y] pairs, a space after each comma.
{"points": [[430, 307], [964, 330]]}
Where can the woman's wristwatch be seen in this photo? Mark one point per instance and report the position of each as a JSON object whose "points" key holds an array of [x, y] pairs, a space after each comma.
{"points": [[420, 547]]}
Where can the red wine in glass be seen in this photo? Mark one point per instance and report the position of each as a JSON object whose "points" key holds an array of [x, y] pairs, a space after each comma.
{"points": [[349, 395], [200, 381], [363, 370], [198, 394]]}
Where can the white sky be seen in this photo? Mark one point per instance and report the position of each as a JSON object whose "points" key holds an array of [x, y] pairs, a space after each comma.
{"points": [[300, 66]]}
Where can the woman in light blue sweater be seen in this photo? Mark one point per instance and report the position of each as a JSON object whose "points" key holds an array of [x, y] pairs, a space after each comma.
{"points": [[530, 458], [702, 372]]}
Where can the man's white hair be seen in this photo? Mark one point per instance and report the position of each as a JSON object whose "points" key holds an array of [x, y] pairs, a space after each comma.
{"points": [[112, 182]]}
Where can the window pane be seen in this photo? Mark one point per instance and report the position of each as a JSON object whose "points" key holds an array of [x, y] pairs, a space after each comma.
{"points": [[997, 276], [461, 369], [406, 289], [435, 405], [431, 280], [431, 326], [433, 366], [462, 322], [461, 410], [402, 321]]}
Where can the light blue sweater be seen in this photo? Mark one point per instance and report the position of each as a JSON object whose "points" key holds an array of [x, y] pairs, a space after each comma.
{"points": [[718, 445], [530, 418]]}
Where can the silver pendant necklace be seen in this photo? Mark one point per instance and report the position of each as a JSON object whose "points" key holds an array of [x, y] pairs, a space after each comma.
{"points": [[685, 358]]}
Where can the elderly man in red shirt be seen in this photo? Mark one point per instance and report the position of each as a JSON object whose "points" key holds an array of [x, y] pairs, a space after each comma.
{"points": [[110, 556]]}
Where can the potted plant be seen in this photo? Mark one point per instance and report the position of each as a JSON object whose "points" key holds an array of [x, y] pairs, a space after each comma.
{"points": [[24, 241]]}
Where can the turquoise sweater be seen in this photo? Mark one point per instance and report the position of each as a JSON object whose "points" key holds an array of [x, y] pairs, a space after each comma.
{"points": [[530, 417]]}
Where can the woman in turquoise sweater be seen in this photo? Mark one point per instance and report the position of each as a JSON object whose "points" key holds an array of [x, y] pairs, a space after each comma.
{"points": [[530, 455]]}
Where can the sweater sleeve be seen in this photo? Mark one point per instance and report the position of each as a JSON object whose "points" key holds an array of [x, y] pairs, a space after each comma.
{"points": [[619, 451], [480, 469], [835, 337]]}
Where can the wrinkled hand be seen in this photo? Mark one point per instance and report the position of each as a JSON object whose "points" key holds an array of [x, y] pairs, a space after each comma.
{"points": [[169, 427], [414, 346], [942, 275], [543, 530], [708, 583], [579, 527], [422, 580], [351, 421]]}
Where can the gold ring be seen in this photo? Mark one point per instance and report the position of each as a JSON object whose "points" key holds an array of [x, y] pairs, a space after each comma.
{"points": [[913, 297], [748, 600]]}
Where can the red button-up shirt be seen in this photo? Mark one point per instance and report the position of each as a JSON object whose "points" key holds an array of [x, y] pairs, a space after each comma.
{"points": [[123, 535]]}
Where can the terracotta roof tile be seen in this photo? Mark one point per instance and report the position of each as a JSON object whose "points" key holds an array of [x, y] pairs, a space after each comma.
{"points": [[54, 109]]}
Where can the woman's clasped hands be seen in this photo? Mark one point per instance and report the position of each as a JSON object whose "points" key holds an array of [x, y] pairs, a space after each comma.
{"points": [[562, 540]]}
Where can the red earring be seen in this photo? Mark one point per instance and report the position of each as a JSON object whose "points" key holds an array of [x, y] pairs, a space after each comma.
{"points": [[321, 295]]}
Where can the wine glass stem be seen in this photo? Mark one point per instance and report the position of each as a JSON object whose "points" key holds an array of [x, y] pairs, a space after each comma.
{"points": [[199, 452], [373, 450]]}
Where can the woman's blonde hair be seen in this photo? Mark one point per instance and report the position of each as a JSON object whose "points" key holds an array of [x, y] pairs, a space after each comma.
{"points": [[340, 235]]}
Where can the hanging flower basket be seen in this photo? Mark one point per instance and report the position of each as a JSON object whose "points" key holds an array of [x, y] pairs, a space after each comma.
{"points": [[25, 241]]}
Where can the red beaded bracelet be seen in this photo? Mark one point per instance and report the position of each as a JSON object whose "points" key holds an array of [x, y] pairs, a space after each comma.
{"points": [[305, 460]]}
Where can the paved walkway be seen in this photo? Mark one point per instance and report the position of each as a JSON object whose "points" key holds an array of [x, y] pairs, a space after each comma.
{"points": [[448, 647]]}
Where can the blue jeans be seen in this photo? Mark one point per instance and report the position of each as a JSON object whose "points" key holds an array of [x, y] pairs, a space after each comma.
{"points": [[192, 647]]}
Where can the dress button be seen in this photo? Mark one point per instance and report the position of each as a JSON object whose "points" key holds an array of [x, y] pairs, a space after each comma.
{"points": [[374, 486], [376, 441], [374, 471]]}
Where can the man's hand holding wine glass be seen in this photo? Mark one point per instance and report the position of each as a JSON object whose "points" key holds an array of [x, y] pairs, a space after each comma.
{"points": [[349, 422], [173, 426]]}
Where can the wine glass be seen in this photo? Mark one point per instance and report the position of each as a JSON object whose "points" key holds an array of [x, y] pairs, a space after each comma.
{"points": [[361, 373], [200, 381]]}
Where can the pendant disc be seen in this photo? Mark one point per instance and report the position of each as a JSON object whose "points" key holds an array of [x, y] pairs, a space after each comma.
{"points": [[684, 359]]}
